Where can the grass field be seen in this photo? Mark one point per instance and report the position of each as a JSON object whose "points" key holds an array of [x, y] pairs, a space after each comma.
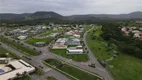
{"points": [[34, 40], [75, 57], [77, 73], [18, 46], [86, 28], [98, 46], [125, 67], [3, 52]]}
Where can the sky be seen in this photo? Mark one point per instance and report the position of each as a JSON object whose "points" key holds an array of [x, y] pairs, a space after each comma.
{"points": [[71, 7]]}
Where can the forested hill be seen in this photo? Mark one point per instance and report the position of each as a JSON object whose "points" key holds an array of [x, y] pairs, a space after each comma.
{"points": [[54, 15]]}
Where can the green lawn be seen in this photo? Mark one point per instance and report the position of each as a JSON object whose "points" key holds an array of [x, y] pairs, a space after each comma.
{"points": [[75, 57], [3, 52], [34, 40], [98, 46], [77, 73], [18, 46], [125, 67]]}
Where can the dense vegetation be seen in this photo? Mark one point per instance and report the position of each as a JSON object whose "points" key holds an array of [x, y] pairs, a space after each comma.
{"points": [[123, 66], [126, 44]]}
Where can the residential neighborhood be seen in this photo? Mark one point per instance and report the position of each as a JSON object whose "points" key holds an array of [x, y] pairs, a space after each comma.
{"points": [[70, 39]]}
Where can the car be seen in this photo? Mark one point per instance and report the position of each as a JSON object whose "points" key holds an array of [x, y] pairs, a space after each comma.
{"points": [[92, 65]]}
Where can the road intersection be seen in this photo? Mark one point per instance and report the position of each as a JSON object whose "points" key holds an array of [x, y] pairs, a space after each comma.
{"points": [[37, 61]]}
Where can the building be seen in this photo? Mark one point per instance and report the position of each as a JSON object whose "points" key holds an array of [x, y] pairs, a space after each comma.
{"points": [[22, 37], [40, 44], [136, 35], [76, 36], [23, 31], [4, 60], [15, 67], [74, 41], [75, 50], [61, 43], [53, 34], [68, 34]]}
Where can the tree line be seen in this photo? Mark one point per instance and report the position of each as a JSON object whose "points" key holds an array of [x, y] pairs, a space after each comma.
{"points": [[126, 44]]}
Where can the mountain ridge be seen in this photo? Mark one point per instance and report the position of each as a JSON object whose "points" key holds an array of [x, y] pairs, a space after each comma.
{"points": [[54, 15]]}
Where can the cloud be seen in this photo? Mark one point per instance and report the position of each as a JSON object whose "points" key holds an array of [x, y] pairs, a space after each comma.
{"points": [[68, 7]]}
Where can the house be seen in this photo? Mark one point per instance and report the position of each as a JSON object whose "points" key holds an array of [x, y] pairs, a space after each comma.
{"points": [[23, 31], [75, 50], [61, 43], [40, 44], [74, 31], [22, 37], [74, 41], [53, 34], [68, 34], [135, 31], [76, 36]]}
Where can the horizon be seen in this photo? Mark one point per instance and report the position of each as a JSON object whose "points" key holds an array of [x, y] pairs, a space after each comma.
{"points": [[70, 15], [72, 7]]}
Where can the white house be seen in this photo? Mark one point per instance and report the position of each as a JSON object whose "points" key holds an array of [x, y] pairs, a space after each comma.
{"points": [[22, 37], [136, 35], [75, 50], [76, 36]]}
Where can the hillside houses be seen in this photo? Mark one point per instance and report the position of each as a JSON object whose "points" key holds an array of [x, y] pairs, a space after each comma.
{"points": [[137, 32]]}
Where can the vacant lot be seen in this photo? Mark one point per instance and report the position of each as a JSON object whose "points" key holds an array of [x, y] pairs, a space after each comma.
{"points": [[34, 40], [75, 57], [77, 73], [18, 46]]}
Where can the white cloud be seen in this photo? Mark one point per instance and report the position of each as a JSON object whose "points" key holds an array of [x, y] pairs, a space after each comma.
{"points": [[67, 7]]}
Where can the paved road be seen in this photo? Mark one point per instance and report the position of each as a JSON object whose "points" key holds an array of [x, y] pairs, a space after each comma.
{"points": [[37, 62], [46, 54], [93, 59]]}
